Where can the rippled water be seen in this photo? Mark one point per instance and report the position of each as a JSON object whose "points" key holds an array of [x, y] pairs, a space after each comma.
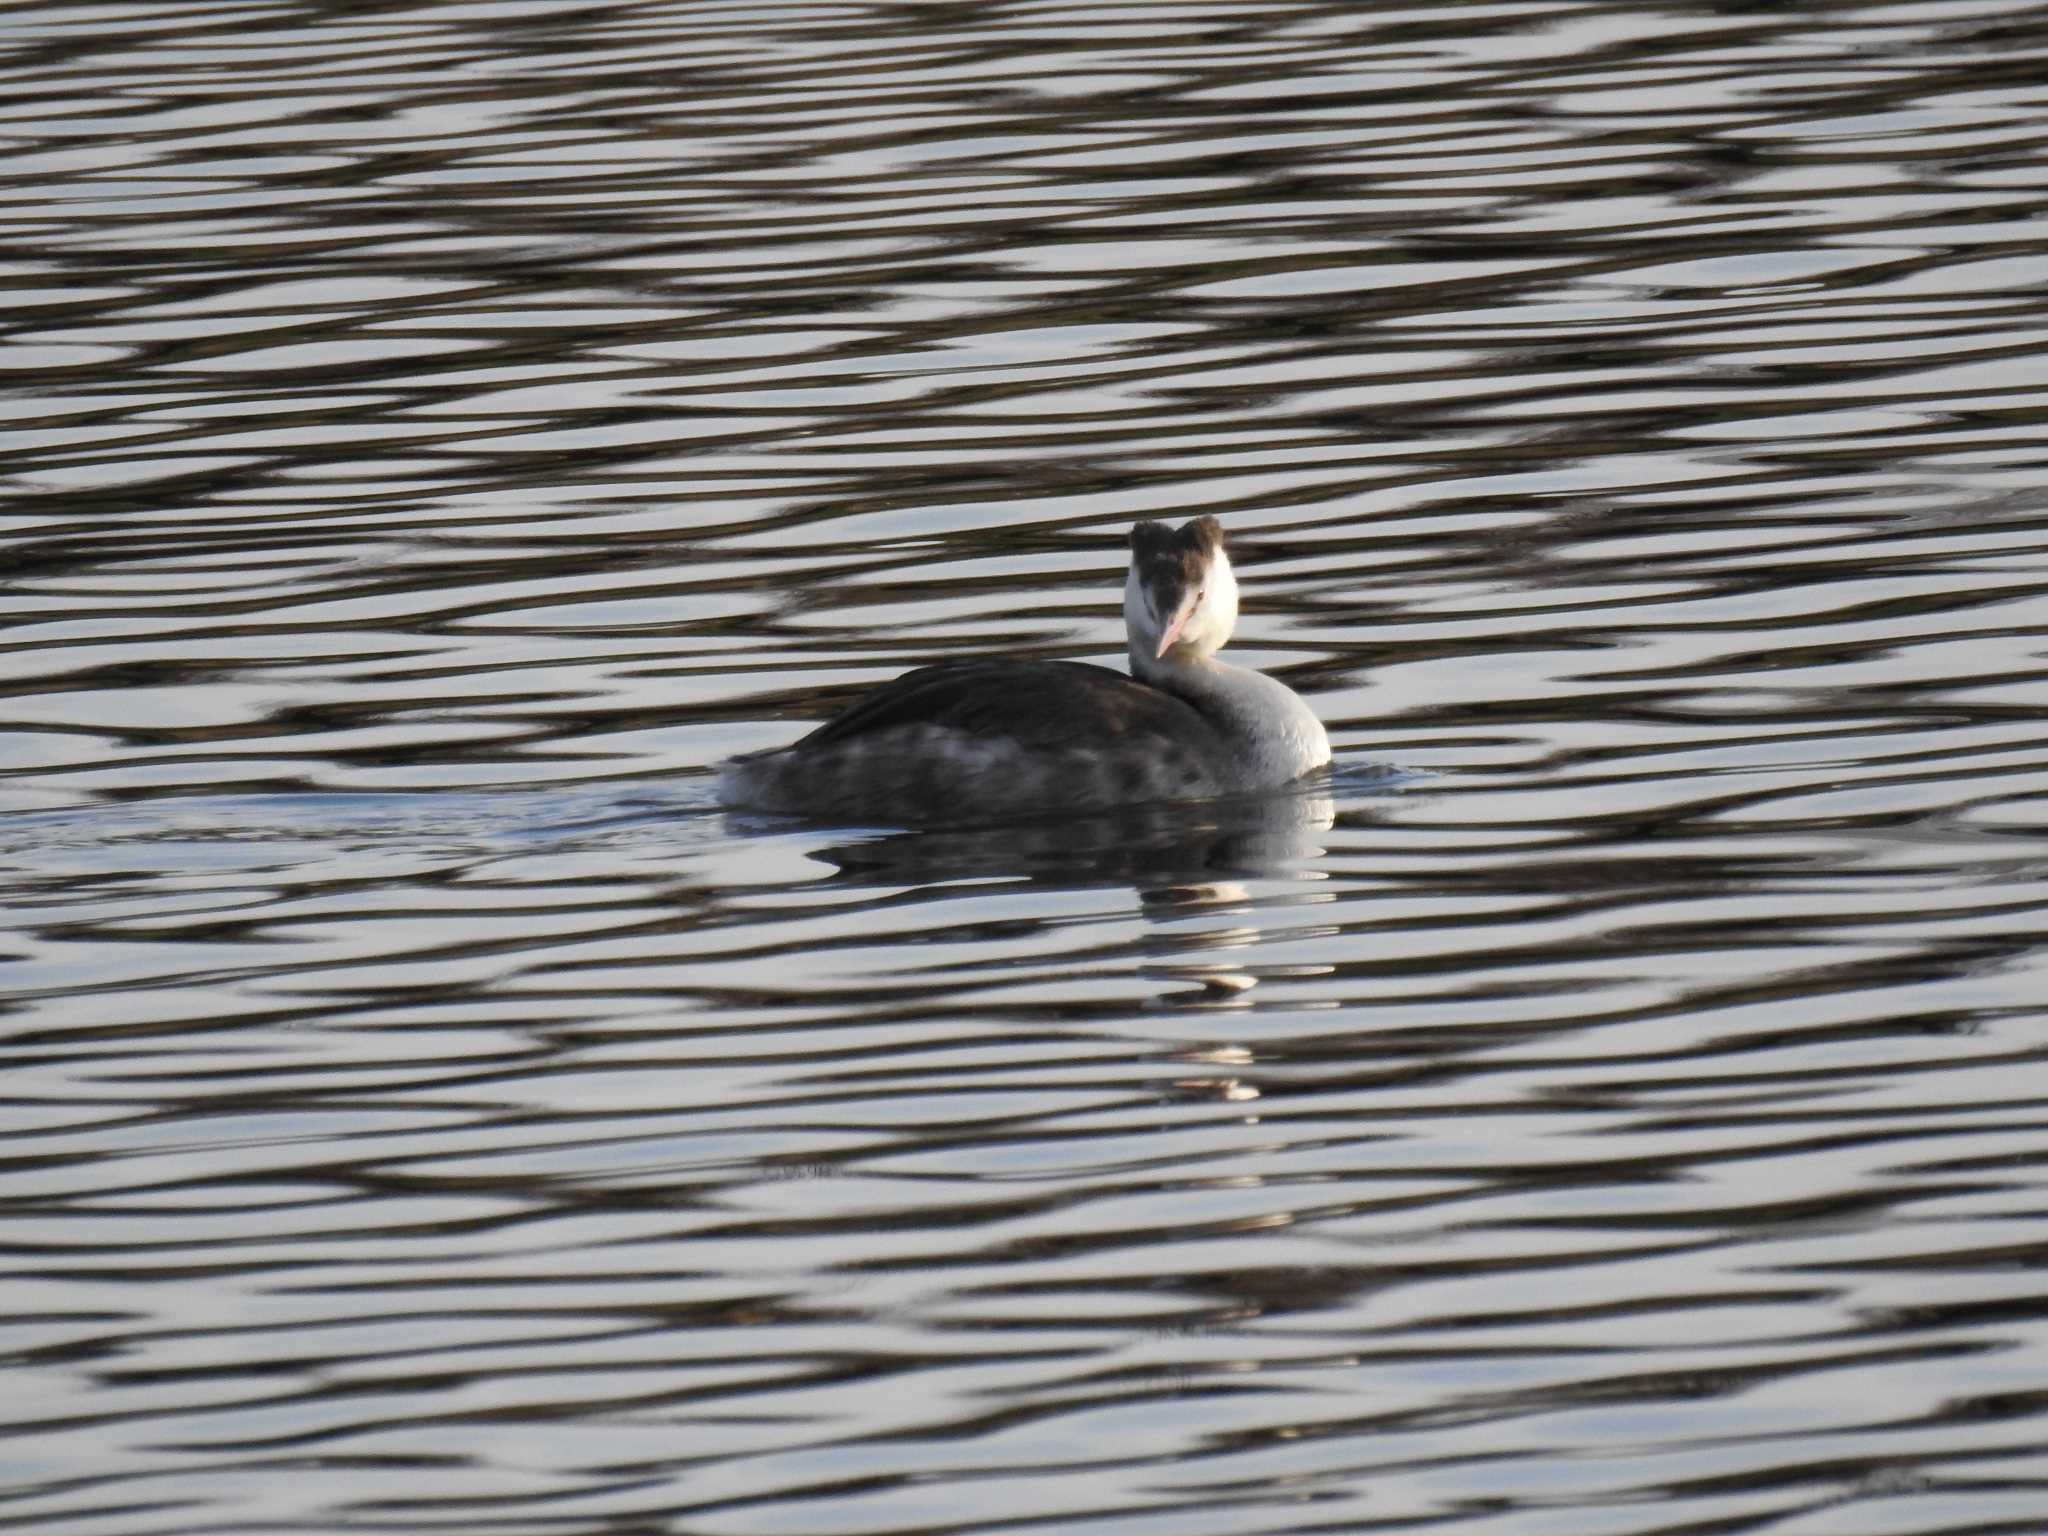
{"points": [[437, 432]]}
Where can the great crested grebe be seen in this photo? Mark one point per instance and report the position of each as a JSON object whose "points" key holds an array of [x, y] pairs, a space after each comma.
{"points": [[968, 741]]}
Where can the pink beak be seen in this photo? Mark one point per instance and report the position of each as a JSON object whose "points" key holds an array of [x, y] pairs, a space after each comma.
{"points": [[1172, 635]]}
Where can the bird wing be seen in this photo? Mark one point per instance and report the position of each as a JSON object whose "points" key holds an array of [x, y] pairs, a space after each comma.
{"points": [[1044, 704]]}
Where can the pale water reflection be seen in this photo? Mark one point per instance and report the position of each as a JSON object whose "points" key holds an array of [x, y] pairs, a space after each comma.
{"points": [[434, 435]]}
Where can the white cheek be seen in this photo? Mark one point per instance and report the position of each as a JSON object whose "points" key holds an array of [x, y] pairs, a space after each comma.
{"points": [[1220, 605]]}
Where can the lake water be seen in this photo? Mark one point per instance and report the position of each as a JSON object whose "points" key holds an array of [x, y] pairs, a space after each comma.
{"points": [[436, 433]]}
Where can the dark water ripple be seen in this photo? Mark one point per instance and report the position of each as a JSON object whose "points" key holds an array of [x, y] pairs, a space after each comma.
{"points": [[434, 434]]}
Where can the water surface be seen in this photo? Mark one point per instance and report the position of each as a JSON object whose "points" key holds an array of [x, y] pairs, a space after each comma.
{"points": [[435, 434]]}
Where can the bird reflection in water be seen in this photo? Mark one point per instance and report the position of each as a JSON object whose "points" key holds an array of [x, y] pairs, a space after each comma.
{"points": [[1177, 854]]}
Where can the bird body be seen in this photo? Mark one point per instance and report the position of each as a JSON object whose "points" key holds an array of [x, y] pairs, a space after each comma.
{"points": [[993, 739]]}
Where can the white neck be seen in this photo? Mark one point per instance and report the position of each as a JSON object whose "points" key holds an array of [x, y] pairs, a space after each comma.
{"points": [[1279, 737]]}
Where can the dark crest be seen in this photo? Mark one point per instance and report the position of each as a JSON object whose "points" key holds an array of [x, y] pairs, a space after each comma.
{"points": [[1172, 562]]}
